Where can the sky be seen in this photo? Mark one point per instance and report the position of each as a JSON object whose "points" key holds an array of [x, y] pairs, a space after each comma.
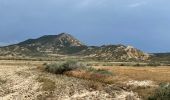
{"points": [[144, 24]]}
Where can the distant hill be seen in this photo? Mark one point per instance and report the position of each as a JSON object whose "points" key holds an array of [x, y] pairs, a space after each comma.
{"points": [[115, 52], [66, 44], [165, 57]]}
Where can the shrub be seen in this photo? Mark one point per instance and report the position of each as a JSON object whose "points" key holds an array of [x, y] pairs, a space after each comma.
{"points": [[90, 69], [60, 68], [47, 84], [89, 64], [137, 65], [94, 85], [108, 64], [2, 81], [103, 72], [162, 93], [44, 64], [154, 64], [96, 64], [99, 71], [122, 64]]}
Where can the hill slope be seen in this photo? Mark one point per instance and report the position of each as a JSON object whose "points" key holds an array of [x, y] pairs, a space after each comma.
{"points": [[115, 52], [66, 44], [48, 44], [161, 57]]}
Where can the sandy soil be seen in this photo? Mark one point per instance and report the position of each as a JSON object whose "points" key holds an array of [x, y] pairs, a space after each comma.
{"points": [[20, 82]]}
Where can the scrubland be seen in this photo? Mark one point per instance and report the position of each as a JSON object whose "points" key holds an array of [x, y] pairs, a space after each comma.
{"points": [[42, 80]]}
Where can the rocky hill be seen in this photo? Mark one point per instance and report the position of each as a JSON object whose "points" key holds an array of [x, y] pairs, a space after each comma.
{"points": [[115, 52], [49, 44], [66, 44]]}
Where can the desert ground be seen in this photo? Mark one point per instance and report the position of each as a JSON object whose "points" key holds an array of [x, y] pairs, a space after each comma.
{"points": [[25, 80]]}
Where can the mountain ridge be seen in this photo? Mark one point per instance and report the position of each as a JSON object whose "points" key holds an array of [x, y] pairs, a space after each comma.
{"points": [[66, 44]]}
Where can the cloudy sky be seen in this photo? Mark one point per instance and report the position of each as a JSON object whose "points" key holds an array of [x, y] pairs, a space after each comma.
{"points": [[144, 24]]}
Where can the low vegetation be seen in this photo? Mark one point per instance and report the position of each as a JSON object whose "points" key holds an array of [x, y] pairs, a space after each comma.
{"points": [[98, 71], [108, 64], [2, 81], [47, 84], [60, 68], [162, 93], [24, 74], [81, 76], [79, 70], [154, 64], [134, 64]]}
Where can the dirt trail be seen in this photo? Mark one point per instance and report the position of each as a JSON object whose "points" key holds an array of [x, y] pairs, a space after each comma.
{"points": [[22, 83]]}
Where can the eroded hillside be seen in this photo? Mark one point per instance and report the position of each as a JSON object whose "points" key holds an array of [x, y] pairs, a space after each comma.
{"points": [[66, 44]]}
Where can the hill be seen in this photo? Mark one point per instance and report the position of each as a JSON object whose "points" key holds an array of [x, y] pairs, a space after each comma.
{"points": [[66, 44], [115, 52], [161, 57]]}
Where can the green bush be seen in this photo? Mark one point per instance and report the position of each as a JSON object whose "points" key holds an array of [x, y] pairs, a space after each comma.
{"points": [[162, 93], [99, 71], [104, 72], [89, 64], [2, 81], [122, 64], [154, 64], [60, 68], [137, 65], [108, 64], [90, 69]]}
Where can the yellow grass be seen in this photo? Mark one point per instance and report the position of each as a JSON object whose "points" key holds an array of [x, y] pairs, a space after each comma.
{"points": [[90, 76], [120, 74], [156, 74]]}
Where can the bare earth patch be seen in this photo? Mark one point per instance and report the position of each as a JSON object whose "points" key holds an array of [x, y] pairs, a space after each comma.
{"points": [[145, 83], [26, 82]]}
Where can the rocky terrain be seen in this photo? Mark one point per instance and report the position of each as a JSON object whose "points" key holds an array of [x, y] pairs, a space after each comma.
{"points": [[65, 44], [116, 52], [27, 82], [48, 44]]}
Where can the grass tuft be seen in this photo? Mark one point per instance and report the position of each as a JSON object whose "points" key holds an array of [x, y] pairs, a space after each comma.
{"points": [[2, 81], [162, 93], [47, 84]]}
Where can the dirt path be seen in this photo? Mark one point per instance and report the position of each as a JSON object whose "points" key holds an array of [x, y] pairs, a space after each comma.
{"points": [[25, 82]]}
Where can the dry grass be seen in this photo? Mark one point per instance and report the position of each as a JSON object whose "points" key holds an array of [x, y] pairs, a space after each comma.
{"points": [[125, 73], [79, 70], [144, 93], [156, 74], [42, 85], [22, 62], [84, 74], [120, 74], [47, 84], [24, 74], [94, 85]]}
